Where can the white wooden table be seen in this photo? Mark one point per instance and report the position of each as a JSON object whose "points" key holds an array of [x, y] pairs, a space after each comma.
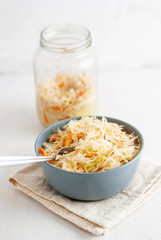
{"points": [[129, 88]]}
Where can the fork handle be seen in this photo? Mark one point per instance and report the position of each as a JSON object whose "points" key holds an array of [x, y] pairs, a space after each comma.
{"points": [[6, 161]]}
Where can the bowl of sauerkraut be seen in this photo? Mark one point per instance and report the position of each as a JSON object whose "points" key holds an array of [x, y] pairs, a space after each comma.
{"points": [[104, 161]]}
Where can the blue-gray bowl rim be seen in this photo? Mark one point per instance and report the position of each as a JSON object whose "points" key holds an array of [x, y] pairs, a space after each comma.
{"points": [[97, 116]]}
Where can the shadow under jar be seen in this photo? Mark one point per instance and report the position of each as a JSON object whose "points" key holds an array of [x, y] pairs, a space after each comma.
{"points": [[65, 67]]}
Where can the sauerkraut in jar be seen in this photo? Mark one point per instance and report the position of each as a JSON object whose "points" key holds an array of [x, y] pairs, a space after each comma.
{"points": [[65, 73]]}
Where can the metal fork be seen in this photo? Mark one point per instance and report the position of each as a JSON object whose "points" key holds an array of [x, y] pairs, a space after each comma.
{"points": [[6, 161]]}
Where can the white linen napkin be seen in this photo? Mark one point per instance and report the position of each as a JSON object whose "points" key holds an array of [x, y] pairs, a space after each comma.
{"points": [[97, 217]]}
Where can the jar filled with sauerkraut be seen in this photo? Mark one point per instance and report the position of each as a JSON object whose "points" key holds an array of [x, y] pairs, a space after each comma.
{"points": [[65, 69]]}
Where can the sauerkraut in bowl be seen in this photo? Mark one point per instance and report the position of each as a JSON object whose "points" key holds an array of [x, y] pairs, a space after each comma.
{"points": [[65, 95], [99, 145]]}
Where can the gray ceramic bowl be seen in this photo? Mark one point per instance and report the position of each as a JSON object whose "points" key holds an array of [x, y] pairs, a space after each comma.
{"points": [[89, 186]]}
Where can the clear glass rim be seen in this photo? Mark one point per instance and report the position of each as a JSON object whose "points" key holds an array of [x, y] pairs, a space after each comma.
{"points": [[65, 38]]}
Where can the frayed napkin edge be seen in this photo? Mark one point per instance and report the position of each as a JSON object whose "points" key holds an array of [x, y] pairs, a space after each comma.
{"points": [[85, 223]]}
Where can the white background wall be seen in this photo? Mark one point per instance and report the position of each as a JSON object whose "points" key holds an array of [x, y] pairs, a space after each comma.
{"points": [[125, 33]]}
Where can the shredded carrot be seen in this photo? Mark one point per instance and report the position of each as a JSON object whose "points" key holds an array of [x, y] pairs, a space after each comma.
{"points": [[55, 108], [51, 162], [46, 119], [68, 139], [90, 154], [83, 82], [66, 117], [46, 154], [55, 137], [83, 74], [80, 93], [95, 137], [84, 97], [42, 152], [61, 85], [56, 148], [79, 138], [77, 150], [41, 99]]}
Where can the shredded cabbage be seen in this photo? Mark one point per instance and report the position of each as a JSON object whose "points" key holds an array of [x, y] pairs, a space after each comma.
{"points": [[64, 96], [99, 145]]}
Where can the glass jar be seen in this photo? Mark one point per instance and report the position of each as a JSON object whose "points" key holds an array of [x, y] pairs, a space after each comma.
{"points": [[65, 69]]}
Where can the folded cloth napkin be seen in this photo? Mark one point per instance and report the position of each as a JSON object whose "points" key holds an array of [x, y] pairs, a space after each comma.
{"points": [[97, 217]]}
